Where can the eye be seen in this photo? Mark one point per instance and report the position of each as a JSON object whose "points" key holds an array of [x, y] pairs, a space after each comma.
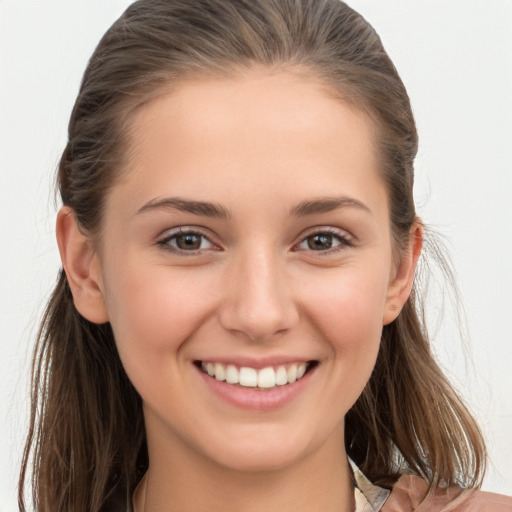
{"points": [[323, 241], [186, 241]]}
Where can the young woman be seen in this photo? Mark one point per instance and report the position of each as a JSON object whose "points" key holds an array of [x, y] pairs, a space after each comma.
{"points": [[235, 326]]}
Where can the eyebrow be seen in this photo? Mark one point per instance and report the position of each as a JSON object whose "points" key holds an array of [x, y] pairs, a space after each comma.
{"points": [[207, 209], [185, 205], [327, 204]]}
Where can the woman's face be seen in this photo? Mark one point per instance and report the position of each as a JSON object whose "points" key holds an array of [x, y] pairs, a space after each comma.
{"points": [[249, 236]]}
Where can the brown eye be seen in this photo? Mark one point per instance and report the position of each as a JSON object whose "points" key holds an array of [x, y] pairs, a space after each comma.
{"points": [[320, 241], [187, 242], [324, 241]]}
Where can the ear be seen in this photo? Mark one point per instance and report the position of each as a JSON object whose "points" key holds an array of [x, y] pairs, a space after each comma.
{"points": [[401, 284], [81, 264]]}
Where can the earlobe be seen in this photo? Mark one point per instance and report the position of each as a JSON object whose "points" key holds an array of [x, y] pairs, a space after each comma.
{"points": [[81, 264], [401, 285]]}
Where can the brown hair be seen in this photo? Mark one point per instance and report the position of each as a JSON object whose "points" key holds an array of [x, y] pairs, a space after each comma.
{"points": [[86, 442]]}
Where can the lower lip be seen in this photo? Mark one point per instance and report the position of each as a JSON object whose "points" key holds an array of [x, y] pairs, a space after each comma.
{"points": [[257, 400]]}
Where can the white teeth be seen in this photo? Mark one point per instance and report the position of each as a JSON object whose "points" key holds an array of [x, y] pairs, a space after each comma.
{"points": [[265, 378], [232, 374], [248, 377], [219, 372], [292, 373], [281, 376]]}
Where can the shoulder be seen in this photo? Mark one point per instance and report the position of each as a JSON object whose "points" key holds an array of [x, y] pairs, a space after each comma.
{"points": [[408, 492]]}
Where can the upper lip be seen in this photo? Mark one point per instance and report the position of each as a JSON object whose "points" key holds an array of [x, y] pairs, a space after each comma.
{"points": [[257, 363]]}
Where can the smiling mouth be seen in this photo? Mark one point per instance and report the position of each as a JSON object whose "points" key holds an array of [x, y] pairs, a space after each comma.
{"points": [[266, 378]]}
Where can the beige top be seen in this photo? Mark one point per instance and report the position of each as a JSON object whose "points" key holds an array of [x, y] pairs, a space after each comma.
{"points": [[406, 496], [368, 497], [408, 492]]}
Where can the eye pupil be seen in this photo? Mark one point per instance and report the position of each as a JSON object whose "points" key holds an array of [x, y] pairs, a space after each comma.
{"points": [[319, 242], [189, 241]]}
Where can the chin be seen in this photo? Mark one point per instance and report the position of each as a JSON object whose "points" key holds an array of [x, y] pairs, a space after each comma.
{"points": [[261, 453], [259, 462]]}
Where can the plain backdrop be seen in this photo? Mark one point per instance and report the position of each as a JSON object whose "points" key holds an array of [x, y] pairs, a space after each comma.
{"points": [[455, 58]]}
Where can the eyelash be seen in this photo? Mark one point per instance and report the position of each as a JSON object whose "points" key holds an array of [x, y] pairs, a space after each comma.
{"points": [[344, 241], [165, 243]]}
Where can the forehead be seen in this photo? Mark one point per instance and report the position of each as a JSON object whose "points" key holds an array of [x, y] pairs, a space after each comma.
{"points": [[277, 131], [288, 100]]}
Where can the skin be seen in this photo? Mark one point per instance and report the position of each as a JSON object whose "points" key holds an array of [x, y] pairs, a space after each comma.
{"points": [[258, 145]]}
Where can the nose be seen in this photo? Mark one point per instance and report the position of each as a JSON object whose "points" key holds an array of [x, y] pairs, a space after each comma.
{"points": [[258, 301]]}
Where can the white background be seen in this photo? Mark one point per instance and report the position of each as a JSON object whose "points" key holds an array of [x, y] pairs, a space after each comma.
{"points": [[455, 58]]}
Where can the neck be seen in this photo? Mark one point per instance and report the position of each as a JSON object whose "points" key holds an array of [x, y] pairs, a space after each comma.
{"points": [[185, 481]]}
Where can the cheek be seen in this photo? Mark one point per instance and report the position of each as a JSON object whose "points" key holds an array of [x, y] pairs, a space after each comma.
{"points": [[153, 311], [348, 316], [350, 311]]}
